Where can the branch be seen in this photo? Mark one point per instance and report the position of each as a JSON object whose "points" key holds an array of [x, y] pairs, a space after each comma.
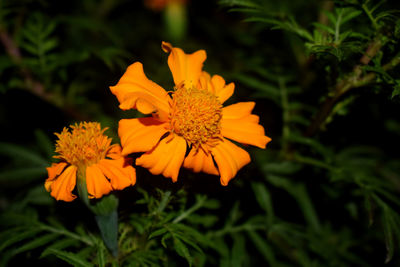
{"points": [[354, 80]]}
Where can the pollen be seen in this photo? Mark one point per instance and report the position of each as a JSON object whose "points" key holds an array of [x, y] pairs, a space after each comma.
{"points": [[84, 145], [196, 116]]}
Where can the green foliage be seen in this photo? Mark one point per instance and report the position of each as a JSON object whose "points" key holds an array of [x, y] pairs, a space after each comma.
{"points": [[325, 79]]}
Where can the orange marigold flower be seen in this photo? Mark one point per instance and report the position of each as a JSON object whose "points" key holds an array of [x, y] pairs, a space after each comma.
{"points": [[87, 153], [190, 117]]}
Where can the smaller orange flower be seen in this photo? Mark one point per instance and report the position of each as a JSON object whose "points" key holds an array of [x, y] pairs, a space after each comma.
{"points": [[87, 153]]}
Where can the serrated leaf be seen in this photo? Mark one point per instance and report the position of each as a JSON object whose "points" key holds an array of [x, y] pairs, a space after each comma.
{"points": [[49, 45], [183, 251], [69, 257], [324, 27], [60, 245], [157, 233], [263, 247], [16, 235], [35, 243]]}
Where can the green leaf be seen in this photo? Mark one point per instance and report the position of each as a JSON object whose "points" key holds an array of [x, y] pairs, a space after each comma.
{"points": [[263, 198], [263, 247], [22, 175], [69, 257], [108, 225], [21, 153], [239, 252], [158, 232], [37, 242], [44, 142], [101, 258], [183, 251], [15, 235]]}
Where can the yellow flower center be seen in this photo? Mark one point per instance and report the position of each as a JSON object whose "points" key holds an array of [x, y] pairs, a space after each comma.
{"points": [[196, 116], [84, 145]]}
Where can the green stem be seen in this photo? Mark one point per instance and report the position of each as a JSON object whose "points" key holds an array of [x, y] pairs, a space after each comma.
{"points": [[196, 206], [66, 233], [285, 115], [82, 188], [313, 162], [163, 202], [369, 14]]}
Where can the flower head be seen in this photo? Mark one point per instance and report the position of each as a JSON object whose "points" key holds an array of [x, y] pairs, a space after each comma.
{"points": [[188, 126], [86, 152]]}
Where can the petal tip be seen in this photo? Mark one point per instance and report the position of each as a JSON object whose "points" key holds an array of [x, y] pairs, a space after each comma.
{"points": [[166, 47]]}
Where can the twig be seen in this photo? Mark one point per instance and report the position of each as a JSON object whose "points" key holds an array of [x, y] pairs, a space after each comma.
{"points": [[354, 80]]}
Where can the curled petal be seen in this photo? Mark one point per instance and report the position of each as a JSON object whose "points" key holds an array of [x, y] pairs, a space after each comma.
{"points": [[96, 183], [119, 171], [216, 85], [185, 68], [240, 125], [135, 90], [53, 172], [166, 158], [198, 161], [230, 159], [114, 152], [61, 188], [140, 135]]}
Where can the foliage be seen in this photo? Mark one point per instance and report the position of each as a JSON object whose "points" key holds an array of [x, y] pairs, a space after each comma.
{"points": [[324, 75]]}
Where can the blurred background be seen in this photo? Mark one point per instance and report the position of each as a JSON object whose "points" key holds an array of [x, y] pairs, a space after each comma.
{"points": [[323, 74]]}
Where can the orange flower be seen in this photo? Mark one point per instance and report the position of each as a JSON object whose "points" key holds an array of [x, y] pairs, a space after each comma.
{"points": [[87, 153], [190, 117]]}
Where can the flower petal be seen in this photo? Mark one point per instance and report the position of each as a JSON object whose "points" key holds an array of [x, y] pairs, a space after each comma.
{"points": [[230, 159], [61, 188], [96, 183], [119, 171], [53, 172], [239, 124], [135, 90], [166, 158], [200, 162], [184, 67], [222, 90], [114, 152], [140, 135], [216, 85]]}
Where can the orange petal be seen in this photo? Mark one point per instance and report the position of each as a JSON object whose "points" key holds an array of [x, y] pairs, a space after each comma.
{"points": [[222, 90], [61, 188], [230, 159], [184, 67], [238, 110], [200, 162], [96, 183], [53, 172], [240, 125], [135, 90], [120, 173], [114, 152], [166, 158], [140, 135]]}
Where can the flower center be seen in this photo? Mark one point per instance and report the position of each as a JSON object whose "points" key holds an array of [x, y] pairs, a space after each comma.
{"points": [[84, 145], [196, 116]]}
